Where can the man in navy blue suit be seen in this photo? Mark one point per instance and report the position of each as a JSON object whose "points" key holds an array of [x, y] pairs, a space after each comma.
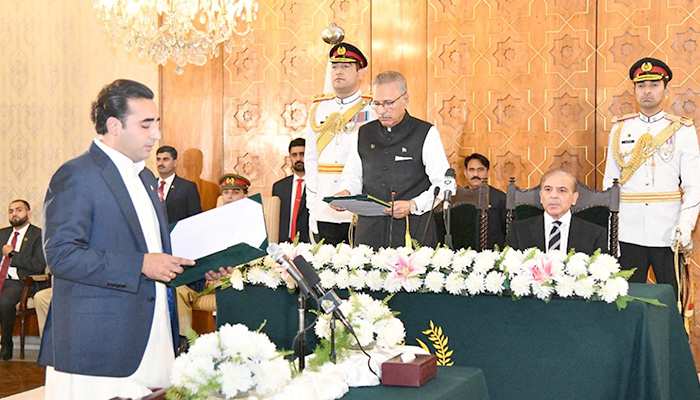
{"points": [[110, 326], [294, 216]]}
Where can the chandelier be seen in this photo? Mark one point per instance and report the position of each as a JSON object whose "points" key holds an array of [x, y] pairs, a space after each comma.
{"points": [[184, 31]]}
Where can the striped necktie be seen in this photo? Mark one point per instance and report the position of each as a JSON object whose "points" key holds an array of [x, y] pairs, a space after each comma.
{"points": [[555, 236]]}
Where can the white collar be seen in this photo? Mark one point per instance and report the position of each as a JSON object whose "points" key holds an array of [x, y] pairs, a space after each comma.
{"points": [[565, 219], [22, 231], [126, 166], [350, 99], [169, 180], [650, 120]]}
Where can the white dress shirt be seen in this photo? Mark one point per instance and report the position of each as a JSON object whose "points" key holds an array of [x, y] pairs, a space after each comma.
{"points": [[12, 271], [563, 228], [168, 182]]}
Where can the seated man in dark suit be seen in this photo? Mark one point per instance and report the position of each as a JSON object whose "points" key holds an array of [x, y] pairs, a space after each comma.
{"points": [[22, 255], [180, 195], [557, 229], [476, 168], [294, 216]]}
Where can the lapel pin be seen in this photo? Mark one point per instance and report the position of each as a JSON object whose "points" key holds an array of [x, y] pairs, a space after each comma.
{"points": [[404, 150], [371, 146]]}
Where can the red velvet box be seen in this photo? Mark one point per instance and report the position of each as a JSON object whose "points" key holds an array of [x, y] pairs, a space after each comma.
{"points": [[412, 374]]}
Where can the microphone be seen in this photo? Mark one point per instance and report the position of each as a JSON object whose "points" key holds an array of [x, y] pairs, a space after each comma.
{"points": [[450, 185], [436, 192], [328, 301], [277, 254]]}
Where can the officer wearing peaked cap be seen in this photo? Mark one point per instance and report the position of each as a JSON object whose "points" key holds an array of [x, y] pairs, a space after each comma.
{"points": [[233, 187], [334, 120], [654, 155]]}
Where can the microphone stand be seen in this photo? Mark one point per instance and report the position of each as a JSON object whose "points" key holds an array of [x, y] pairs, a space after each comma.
{"points": [[447, 218], [332, 354], [302, 330], [391, 223], [430, 216]]}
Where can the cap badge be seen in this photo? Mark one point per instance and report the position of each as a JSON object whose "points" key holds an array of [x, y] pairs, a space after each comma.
{"points": [[341, 50], [646, 67]]}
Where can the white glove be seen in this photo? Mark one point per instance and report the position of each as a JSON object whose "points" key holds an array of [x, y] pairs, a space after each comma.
{"points": [[313, 225], [685, 238]]}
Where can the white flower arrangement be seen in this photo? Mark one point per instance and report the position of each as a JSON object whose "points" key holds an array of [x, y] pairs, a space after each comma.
{"points": [[230, 362], [371, 319], [462, 272]]}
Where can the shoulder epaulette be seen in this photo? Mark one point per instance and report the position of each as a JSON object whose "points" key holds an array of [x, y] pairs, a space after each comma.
{"points": [[366, 95], [617, 119], [683, 120], [322, 97]]}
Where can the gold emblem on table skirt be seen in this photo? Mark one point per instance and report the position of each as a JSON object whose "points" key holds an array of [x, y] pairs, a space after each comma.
{"points": [[442, 351]]}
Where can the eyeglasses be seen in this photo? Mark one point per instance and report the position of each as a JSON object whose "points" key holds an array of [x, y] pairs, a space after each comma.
{"points": [[386, 104]]}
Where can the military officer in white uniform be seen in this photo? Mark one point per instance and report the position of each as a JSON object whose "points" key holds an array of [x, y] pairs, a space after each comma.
{"points": [[334, 120], [654, 155]]}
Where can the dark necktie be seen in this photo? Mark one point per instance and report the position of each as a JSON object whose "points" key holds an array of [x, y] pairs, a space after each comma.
{"points": [[161, 191], [555, 236], [6, 262], [295, 213]]}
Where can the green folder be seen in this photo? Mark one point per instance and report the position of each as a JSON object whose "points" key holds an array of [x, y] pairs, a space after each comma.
{"points": [[361, 204]]}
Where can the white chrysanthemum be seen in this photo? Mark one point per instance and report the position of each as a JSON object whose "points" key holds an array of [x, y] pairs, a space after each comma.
{"points": [[393, 286], [585, 287], [206, 346], [323, 256], [374, 280], [413, 284], [287, 247], [269, 262], [327, 278], [485, 261], [542, 292], [462, 261], [538, 253], [270, 375], [609, 262], [380, 258], [599, 271], [443, 257], [421, 257], [614, 288], [390, 332], [270, 280], [322, 328], [343, 248], [256, 275], [303, 248], [235, 378], [557, 255], [474, 283], [405, 251], [577, 265], [512, 262], [454, 283], [236, 279], [434, 281], [494, 282], [520, 285], [358, 259], [357, 279], [565, 285], [181, 372], [364, 331], [342, 279], [340, 260]]}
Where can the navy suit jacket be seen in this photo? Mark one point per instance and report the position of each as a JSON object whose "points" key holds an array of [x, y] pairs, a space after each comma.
{"points": [[283, 190], [102, 307], [182, 200], [585, 237]]}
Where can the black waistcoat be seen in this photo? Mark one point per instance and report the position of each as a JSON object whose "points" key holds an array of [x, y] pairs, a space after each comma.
{"points": [[392, 159]]}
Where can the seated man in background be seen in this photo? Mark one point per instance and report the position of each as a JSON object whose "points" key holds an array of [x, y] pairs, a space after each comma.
{"points": [[22, 255], [556, 228], [476, 168], [233, 187]]}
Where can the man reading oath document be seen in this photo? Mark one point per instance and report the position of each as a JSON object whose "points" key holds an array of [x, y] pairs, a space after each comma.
{"points": [[395, 155], [112, 322]]}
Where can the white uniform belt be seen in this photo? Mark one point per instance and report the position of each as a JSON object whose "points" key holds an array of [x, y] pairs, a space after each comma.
{"points": [[657, 197], [334, 169]]}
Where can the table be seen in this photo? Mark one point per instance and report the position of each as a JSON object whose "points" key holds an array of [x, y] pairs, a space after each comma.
{"points": [[451, 383], [527, 349]]}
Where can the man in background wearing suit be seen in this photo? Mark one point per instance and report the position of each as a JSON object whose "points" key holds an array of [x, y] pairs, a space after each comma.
{"points": [[476, 169], [181, 196], [557, 229], [294, 216], [22, 255], [110, 326]]}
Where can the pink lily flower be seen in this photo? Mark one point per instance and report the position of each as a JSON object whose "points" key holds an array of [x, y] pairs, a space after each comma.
{"points": [[402, 269], [541, 271]]}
